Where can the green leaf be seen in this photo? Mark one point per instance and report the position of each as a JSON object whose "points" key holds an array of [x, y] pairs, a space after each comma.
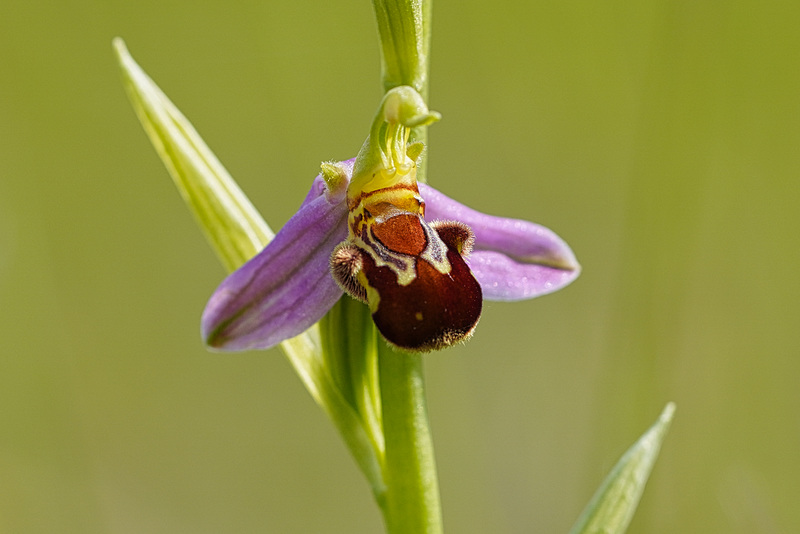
{"points": [[237, 232], [612, 506], [234, 228]]}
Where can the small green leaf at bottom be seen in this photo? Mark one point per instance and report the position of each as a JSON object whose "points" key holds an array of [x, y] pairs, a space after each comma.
{"points": [[612, 506]]}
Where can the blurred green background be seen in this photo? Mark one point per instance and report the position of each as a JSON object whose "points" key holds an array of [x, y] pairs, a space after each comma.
{"points": [[661, 139]]}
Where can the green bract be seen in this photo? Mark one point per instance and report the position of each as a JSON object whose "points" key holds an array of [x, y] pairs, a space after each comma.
{"points": [[237, 232], [612, 507]]}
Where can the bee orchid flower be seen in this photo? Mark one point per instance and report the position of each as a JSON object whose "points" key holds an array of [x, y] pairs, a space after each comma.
{"points": [[420, 260]]}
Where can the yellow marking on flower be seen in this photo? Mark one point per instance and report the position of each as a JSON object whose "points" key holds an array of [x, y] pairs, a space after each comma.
{"points": [[420, 290]]}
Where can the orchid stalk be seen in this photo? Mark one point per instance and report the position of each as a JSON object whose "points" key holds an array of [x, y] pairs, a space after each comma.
{"points": [[374, 270]]}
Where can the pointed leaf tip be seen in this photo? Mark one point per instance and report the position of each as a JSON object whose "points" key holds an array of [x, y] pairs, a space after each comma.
{"points": [[233, 227], [613, 505], [236, 232]]}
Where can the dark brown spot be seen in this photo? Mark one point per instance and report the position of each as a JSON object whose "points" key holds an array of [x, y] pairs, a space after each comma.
{"points": [[356, 222]]}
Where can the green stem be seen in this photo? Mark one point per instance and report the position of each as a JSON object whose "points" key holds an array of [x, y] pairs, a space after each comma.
{"points": [[402, 31], [412, 498]]}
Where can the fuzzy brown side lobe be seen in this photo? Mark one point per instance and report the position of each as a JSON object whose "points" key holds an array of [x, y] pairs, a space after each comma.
{"points": [[346, 262]]}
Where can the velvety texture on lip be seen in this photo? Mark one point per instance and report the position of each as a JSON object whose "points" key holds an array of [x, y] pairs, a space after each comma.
{"points": [[432, 312]]}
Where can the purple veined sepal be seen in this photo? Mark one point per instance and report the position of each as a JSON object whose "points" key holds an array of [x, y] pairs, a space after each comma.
{"points": [[288, 286], [285, 288], [512, 259]]}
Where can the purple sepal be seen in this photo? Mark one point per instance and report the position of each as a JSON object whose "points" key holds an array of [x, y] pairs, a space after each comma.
{"points": [[287, 287], [512, 259]]}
